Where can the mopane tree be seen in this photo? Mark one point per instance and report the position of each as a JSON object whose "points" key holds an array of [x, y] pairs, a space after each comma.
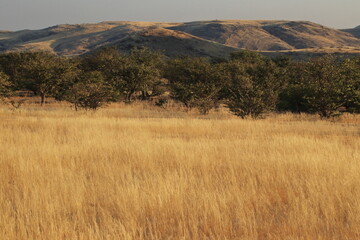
{"points": [[43, 72], [90, 91], [195, 82]]}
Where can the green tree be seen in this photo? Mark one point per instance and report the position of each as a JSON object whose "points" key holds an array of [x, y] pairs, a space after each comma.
{"points": [[253, 88], [350, 70], [327, 86], [89, 92], [141, 72], [294, 93], [106, 60], [43, 72], [11, 64], [5, 85], [195, 82], [138, 72], [247, 57]]}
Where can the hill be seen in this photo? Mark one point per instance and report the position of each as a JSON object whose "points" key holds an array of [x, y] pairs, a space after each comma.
{"points": [[202, 38], [269, 35], [80, 39], [174, 43], [353, 31]]}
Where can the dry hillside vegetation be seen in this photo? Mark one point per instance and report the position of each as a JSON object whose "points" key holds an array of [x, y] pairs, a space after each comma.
{"points": [[137, 173], [211, 38], [269, 35], [174, 43], [354, 31]]}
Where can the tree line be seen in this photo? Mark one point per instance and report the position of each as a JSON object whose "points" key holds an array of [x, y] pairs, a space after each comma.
{"points": [[248, 83]]}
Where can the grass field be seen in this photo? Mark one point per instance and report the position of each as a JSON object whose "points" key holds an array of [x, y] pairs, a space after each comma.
{"points": [[140, 173]]}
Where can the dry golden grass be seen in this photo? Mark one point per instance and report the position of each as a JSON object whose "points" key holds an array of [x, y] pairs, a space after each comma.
{"points": [[139, 173]]}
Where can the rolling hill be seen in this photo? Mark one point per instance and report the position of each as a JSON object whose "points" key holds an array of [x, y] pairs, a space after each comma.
{"points": [[201, 38], [174, 43], [353, 31]]}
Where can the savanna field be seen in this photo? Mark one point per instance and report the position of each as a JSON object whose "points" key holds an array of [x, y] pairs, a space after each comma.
{"points": [[140, 172]]}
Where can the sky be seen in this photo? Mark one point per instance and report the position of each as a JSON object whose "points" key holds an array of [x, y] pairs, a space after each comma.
{"points": [[38, 14]]}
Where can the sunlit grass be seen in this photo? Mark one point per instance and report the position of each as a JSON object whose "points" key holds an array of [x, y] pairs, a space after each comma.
{"points": [[140, 172]]}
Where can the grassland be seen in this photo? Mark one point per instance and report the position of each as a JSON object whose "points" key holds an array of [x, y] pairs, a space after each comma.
{"points": [[136, 172]]}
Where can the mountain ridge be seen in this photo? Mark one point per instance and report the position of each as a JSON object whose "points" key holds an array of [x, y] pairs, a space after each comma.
{"points": [[213, 38]]}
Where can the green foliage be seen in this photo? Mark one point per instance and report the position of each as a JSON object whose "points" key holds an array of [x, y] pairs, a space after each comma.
{"points": [[43, 72], [89, 92], [11, 63], [249, 83], [323, 85], [253, 89], [327, 86], [350, 70], [246, 56], [293, 98], [195, 82], [294, 93], [106, 60], [4, 85], [140, 71]]}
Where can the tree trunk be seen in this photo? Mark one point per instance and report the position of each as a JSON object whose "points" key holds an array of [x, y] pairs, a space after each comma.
{"points": [[144, 95], [42, 95], [129, 97]]}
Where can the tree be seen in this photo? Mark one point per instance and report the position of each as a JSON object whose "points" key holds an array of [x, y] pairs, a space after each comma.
{"points": [[195, 82], [11, 64], [140, 71], [43, 72], [89, 92], [4, 85], [247, 56], [106, 60], [294, 93], [350, 70], [327, 86], [253, 89]]}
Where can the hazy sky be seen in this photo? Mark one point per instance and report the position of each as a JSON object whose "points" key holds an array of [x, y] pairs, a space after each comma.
{"points": [[36, 14]]}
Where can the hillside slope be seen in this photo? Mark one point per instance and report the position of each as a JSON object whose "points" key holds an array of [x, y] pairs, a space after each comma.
{"points": [[353, 31], [201, 38], [269, 35], [80, 39], [174, 43]]}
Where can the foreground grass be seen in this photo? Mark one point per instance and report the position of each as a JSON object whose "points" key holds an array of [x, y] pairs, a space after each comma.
{"points": [[129, 174]]}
